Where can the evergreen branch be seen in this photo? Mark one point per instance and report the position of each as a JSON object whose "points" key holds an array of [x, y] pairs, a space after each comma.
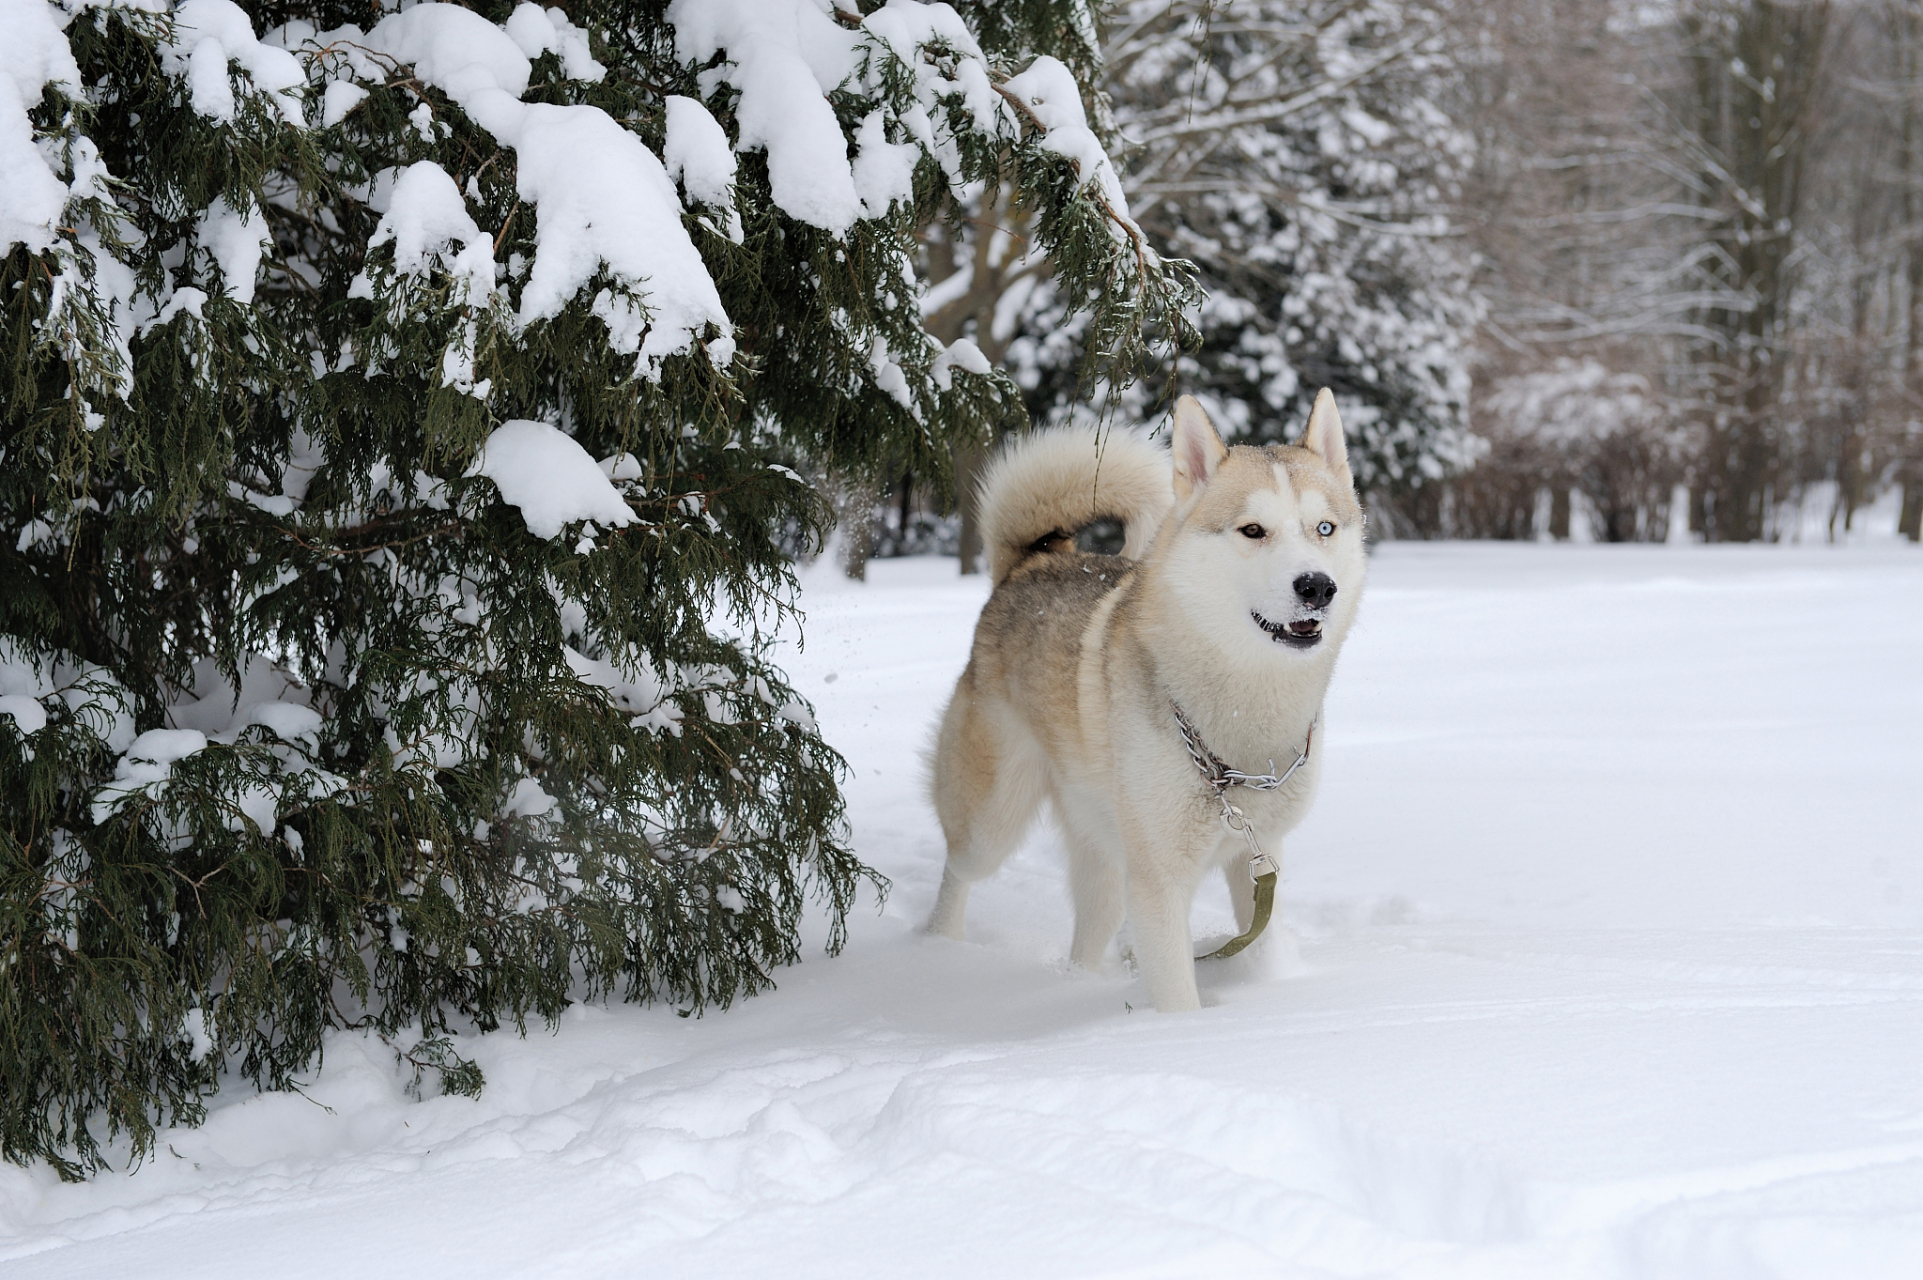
{"points": [[1143, 253]]}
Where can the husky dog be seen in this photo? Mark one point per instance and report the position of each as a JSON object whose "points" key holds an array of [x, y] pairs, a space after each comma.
{"points": [[1237, 582]]}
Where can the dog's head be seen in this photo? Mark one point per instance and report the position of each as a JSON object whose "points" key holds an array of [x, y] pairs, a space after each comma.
{"points": [[1264, 547]]}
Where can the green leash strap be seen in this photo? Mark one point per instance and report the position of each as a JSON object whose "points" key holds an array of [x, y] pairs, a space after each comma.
{"points": [[1264, 904], [1265, 873]]}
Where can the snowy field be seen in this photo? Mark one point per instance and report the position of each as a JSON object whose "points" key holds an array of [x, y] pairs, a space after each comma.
{"points": [[1609, 963]]}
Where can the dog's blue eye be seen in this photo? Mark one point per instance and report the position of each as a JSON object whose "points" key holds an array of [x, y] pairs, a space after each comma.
{"points": [[1254, 531], [1325, 529]]}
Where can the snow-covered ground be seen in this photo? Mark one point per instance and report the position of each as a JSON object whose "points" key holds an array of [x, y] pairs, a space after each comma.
{"points": [[1610, 922]]}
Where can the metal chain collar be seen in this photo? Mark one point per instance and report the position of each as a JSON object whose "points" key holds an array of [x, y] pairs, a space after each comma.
{"points": [[1218, 777]]}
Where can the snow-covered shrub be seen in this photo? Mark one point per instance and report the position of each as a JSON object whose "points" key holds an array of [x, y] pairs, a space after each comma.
{"points": [[393, 426], [1300, 158], [1575, 425]]}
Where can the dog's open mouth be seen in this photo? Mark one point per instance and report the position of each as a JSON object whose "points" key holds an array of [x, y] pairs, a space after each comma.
{"points": [[1303, 633]]}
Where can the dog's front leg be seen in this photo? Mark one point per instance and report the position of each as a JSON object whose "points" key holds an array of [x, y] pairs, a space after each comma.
{"points": [[1158, 909], [1162, 875]]}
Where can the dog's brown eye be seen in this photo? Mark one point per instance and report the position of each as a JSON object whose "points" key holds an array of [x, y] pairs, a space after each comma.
{"points": [[1255, 531], [1326, 529]]}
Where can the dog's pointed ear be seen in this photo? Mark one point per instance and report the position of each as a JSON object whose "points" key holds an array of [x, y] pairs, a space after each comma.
{"points": [[1324, 436], [1198, 450]]}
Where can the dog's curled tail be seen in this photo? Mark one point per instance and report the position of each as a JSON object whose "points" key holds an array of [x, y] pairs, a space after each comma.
{"points": [[1047, 485]]}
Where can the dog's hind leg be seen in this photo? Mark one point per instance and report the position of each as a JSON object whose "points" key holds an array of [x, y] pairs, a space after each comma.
{"points": [[990, 779], [951, 906], [1096, 877]]}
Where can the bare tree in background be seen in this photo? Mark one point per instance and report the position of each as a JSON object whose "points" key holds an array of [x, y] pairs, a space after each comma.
{"points": [[1722, 200], [1903, 22], [980, 274], [1752, 75], [1841, 407], [1589, 261]]}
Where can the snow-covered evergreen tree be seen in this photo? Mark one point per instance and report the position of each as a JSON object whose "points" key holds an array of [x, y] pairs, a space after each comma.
{"points": [[394, 419], [1300, 157]]}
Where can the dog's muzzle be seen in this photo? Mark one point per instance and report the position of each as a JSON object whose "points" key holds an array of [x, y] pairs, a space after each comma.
{"points": [[1303, 633]]}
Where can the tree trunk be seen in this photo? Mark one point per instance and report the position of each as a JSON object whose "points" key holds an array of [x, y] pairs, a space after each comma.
{"points": [[968, 467], [856, 520], [1754, 67], [1909, 522], [1559, 513], [997, 261]]}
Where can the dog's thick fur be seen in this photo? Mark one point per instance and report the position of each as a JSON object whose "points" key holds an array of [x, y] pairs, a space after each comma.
{"points": [[1219, 604]]}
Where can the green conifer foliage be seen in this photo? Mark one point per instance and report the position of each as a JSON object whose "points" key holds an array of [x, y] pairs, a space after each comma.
{"points": [[339, 685]]}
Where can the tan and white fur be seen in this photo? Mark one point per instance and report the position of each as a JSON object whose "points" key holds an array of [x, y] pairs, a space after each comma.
{"points": [[1237, 584]]}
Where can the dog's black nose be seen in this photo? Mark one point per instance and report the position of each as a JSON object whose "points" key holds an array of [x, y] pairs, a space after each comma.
{"points": [[1316, 589]]}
